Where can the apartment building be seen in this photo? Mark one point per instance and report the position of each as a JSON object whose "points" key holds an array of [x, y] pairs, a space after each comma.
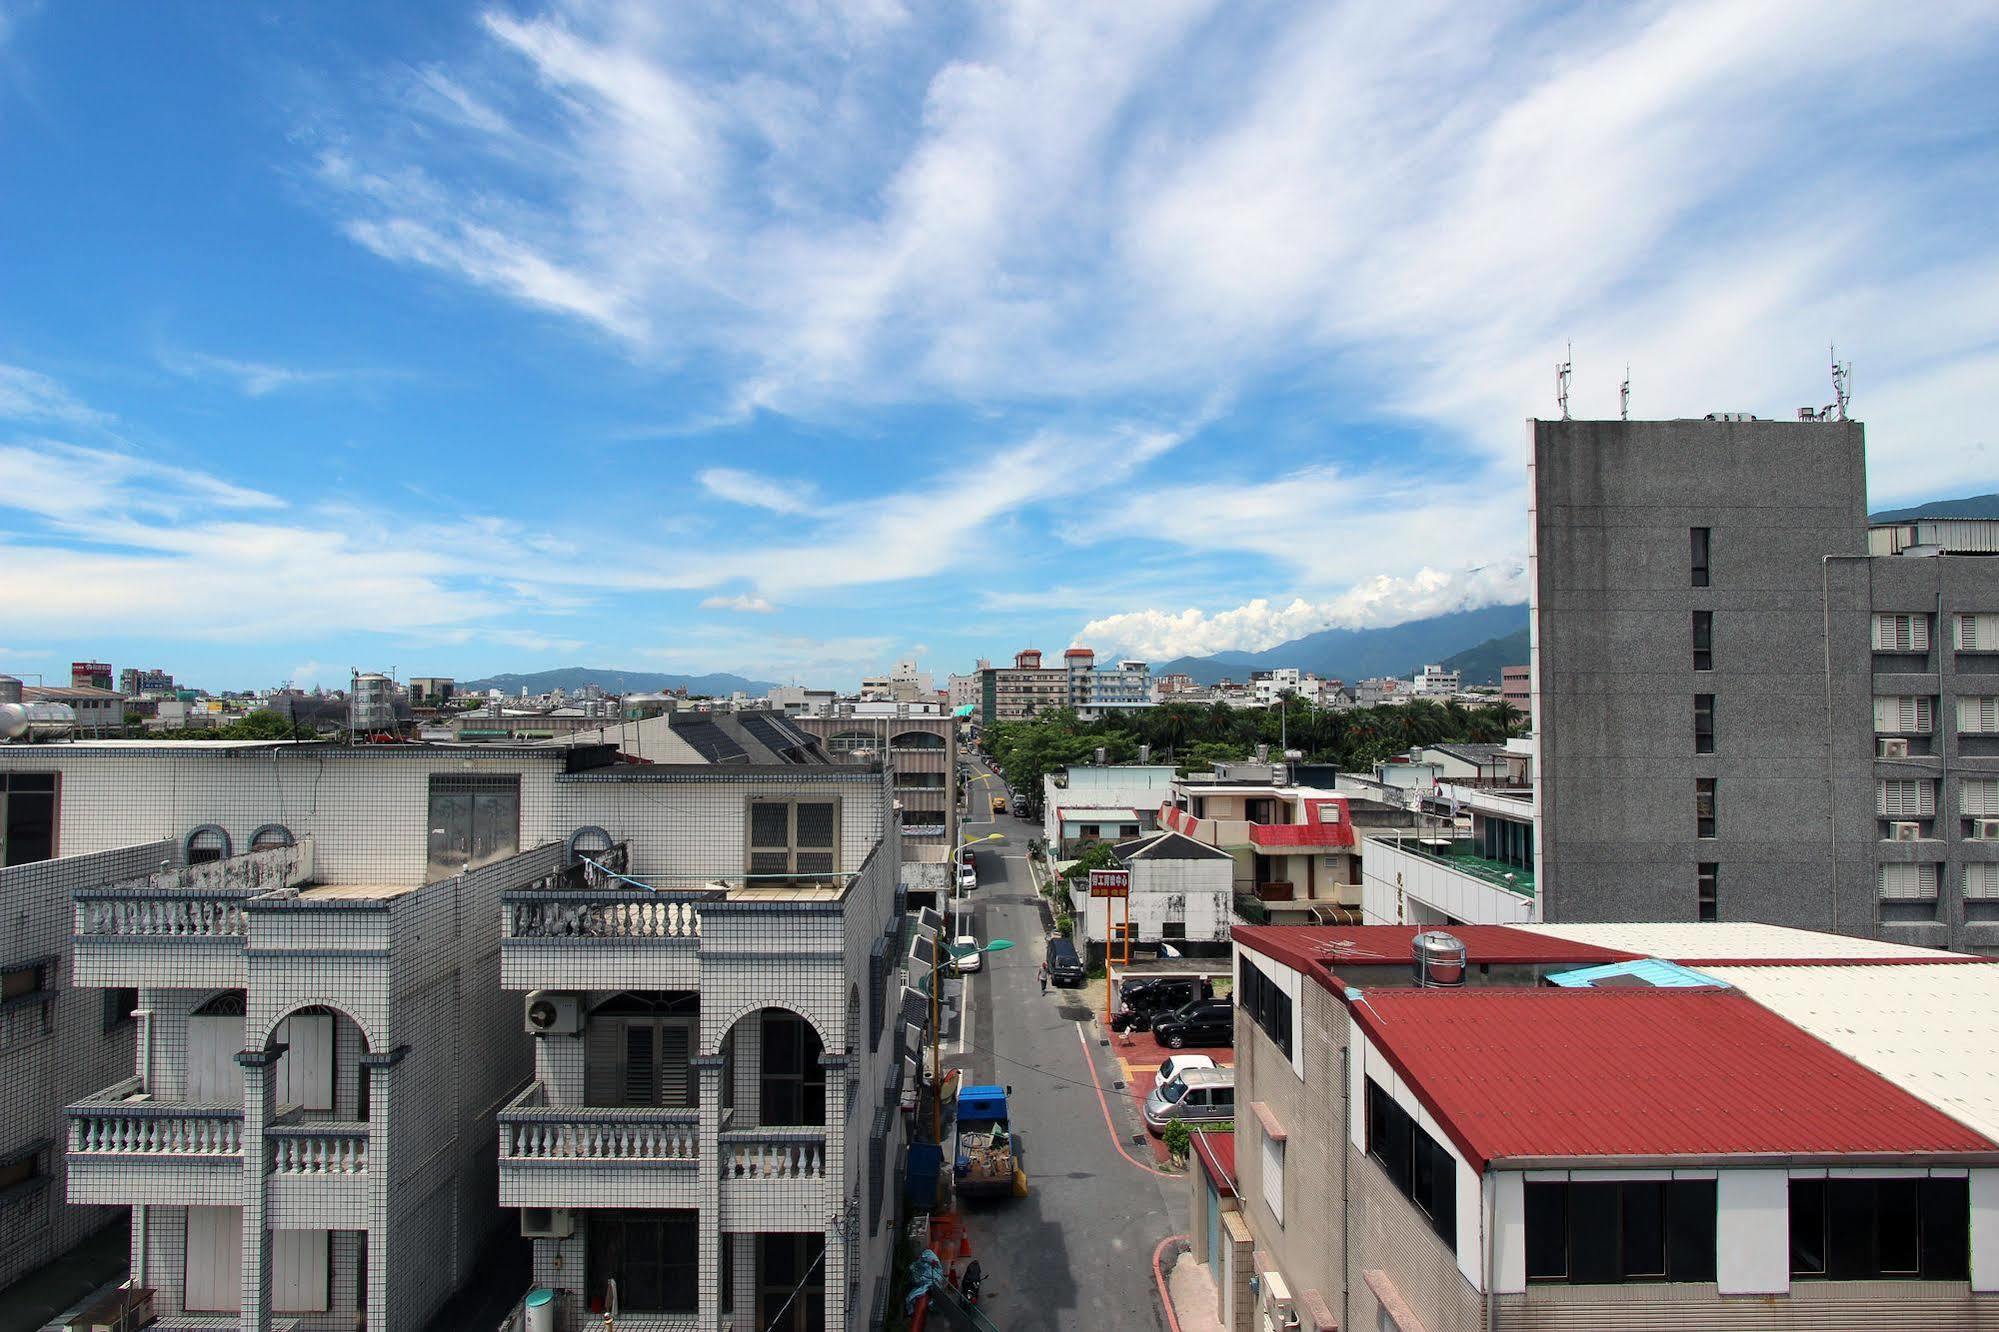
{"points": [[1095, 691], [58, 1043], [1469, 861], [918, 743], [1024, 690], [1742, 712], [1101, 802], [326, 1040], [1669, 1126], [1433, 681], [713, 1120], [1516, 688], [1181, 893], [1296, 849]]}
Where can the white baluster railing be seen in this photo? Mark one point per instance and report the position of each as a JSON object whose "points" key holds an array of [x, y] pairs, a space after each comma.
{"points": [[319, 1149], [154, 1129], [532, 1130], [791, 1155]]}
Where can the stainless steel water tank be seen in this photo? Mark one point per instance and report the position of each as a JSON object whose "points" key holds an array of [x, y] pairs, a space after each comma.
{"points": [[1438, 959]]}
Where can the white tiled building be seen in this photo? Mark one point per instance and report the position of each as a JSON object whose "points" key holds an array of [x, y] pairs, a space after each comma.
{"points": [[327, 1050]]}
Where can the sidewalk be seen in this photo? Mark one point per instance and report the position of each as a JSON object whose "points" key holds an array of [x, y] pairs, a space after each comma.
{"points": [[1190, 1292]]}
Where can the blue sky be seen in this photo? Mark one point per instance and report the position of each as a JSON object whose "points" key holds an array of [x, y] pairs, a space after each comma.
{"points": [[796, 339]]}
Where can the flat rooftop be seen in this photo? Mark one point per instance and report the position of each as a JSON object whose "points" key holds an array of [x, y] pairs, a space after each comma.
{"points": [[356, 892]]}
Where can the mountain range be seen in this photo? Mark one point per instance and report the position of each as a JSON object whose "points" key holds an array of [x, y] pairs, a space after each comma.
{"points": [[1478, 642], [571, 679], [1971, 506]]}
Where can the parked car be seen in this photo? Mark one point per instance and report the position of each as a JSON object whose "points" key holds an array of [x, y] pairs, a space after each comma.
{"points": [[1020, 807], [1141, 1002], [968, 878], [1064, 967], [1199, 1096], [965, 953], [1176, 1064], [1203, 1022]]}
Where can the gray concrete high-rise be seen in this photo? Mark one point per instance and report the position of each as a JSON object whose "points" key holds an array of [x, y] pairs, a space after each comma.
{"points": [[1740, 713]]}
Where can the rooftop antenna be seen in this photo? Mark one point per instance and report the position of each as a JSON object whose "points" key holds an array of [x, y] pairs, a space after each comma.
{"points": [[1842, 381], [1562, 378], [1624, 395]]}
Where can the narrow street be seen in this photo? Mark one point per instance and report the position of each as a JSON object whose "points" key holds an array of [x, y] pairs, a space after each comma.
{"points": [[1077, 1251]]}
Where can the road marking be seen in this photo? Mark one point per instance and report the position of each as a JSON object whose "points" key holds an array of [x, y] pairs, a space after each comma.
{"points": [[965, 1009], [1109, 1124]]}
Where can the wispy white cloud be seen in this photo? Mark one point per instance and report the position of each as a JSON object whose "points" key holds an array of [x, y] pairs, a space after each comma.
{"points": [[1258, 624], [759, 492], [27, 395], [1423, 200], [256, 379], [747, 604]]}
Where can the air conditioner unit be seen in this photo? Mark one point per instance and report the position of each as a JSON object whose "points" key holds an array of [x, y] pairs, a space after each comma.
{"points": [[1906, 832], [1277, 1311], [1896, 748], [1985, 830], [552, 1014], [547, 1223]]}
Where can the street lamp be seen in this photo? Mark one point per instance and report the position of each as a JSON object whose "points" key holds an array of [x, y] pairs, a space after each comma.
{"points": [[936, 966], [936, 1064]]}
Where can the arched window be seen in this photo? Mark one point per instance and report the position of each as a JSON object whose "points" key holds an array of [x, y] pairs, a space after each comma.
{"points": [[918, 740], [846, 742], [590, 841], [206, 843], [637, 1050], [230, 1003], [270, 837]]}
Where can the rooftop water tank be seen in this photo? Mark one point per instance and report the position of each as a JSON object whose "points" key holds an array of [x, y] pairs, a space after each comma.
{"points": [[10, 689], [36, 721], [1438, 960]]}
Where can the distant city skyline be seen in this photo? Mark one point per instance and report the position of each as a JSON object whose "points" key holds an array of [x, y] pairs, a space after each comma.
{"points": [[463, 339]]}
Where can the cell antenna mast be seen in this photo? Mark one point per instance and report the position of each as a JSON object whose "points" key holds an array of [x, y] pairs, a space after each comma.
{"points": [[1562, 378], [1624, 395], [1842, 381]]}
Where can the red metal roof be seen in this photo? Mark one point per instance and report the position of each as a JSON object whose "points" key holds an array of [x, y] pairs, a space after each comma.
{"points": [[1301, 834], [1313, 949], [1216, 1152], [1079, 652], [1567, 1074]]}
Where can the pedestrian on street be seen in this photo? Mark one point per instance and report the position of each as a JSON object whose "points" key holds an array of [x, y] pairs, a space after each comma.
{"points": [[1041, 974]]}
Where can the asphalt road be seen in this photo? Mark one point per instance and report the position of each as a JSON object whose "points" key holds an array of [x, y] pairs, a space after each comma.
{"points": [[1077, 1251]]}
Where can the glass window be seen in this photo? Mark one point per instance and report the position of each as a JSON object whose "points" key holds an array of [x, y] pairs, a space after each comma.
{"points": [[651, 1255], [1421, 1168], [794, 839], [475, 819], [27, 817], [1703, 723], [1699, 539], [1634, 1230], [1870, 1229], [1704, 807], [1708, 890], [1703, 640], [793, 1085]]}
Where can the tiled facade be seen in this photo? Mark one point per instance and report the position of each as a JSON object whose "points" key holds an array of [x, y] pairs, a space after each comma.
{"points": [[343, 988], [57, 1044]]}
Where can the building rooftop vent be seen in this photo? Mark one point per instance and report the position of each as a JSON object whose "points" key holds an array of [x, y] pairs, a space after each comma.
{"points": [[1437, 960]]}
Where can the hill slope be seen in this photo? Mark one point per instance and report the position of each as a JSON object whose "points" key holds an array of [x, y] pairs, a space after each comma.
{"points": [[1971, 506], [1356, 654], [1480, 665], [571, 679]]}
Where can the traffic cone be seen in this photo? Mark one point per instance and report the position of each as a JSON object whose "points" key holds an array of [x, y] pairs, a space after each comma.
{"points": [[964, 1247]]}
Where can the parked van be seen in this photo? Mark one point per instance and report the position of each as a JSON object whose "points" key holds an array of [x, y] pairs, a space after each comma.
{"points": [[1196, 1096], [1064, 967]]}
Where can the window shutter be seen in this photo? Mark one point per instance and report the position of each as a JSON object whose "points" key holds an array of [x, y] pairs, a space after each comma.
{"points": [[677, 1086], [1980, 798], [1273, 1177], [641, 1082], [1978, 716], [1909, 883], [603, 1061], [1907, 800], [1978, 632], [1981, 879]]}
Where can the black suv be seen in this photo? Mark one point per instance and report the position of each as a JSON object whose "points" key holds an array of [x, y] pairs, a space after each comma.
{"points": [[1203, 1022], [1064, 967], [1139, 1002]]}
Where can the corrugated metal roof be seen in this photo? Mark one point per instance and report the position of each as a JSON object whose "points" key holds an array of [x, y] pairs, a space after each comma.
{"points": [[1934, 1031], [1099, 814], [1574, 1074], [1312, 948], [1691, 943], [1216, 1152]]}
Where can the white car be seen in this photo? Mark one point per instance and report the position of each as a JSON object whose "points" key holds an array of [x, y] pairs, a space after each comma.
{"points": [[968, 878], [965, 955], [1176, 1064]]}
